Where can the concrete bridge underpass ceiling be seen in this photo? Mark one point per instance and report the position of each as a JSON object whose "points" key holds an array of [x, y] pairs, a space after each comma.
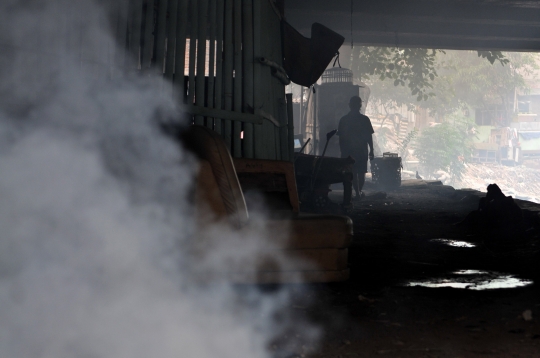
{"points": [[507, 25]]}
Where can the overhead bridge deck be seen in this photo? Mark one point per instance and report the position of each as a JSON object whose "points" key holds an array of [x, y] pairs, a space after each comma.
{"points": [[505, 25]]}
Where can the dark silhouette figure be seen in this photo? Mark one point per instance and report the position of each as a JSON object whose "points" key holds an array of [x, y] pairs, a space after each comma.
{"points": [[355, 138], [498, 215]]}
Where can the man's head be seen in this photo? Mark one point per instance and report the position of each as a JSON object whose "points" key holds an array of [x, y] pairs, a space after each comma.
{"points": [[494, 192], [355, 103]]}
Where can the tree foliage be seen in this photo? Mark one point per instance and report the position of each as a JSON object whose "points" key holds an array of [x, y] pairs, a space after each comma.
{"points": [[466, 80], [461, 79], [410, 67], [493, 56], [414, 68], [446, 146], [403, 145]]}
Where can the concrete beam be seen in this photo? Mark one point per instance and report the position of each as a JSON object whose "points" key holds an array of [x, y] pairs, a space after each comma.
{"points": [[456, 43], [500, 12], [436, 24]]}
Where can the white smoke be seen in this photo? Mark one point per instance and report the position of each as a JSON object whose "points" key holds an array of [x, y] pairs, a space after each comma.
{"points": [[94, 214]]}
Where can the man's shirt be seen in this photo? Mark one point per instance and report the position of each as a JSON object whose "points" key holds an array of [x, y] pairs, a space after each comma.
{"points": [[354, 132]]}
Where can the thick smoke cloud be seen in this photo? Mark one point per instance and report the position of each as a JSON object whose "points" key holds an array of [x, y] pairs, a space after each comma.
{"points": [[96, 226]]}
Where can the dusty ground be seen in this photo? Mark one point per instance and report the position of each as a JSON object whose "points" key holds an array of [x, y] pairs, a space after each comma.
{"points": [[375, 313]]}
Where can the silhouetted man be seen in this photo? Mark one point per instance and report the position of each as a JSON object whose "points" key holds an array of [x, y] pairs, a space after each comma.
{"points": [[355, 132]]}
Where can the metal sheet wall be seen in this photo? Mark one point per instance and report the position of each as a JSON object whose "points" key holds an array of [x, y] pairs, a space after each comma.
{"points": [[224, 86], [208, 51]]}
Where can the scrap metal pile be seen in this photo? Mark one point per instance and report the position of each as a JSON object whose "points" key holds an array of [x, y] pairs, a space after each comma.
{"points": [[521, 182]]}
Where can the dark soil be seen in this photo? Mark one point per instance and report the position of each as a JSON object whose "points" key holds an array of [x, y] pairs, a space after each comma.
{"points": [[375, 313]]}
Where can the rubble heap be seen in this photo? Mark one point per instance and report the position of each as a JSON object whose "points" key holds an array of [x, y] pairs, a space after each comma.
{"points": [[521, 182]]}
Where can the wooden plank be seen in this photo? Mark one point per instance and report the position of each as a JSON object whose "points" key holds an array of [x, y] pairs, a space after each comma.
{"points": [[224, 114], [228, 49], [148, 45], [192, 50], [258, 132], [301, 113], [279, 88], [201, 56], [244, 165], [283, 130], [211, 60], [306, 128], [290, 125], [277, 144], [180, 56], [274, 9], [161, 34], [218, 123], [171, 41], [237, 142], [267, 98], [135, 33], [276, 98], [248, 59], [316, 136]]}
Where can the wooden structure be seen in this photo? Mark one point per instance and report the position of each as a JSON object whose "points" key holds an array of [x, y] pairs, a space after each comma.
{"points": [[237, 96], [485, 153], [497, 145], [273, 181], [218, 58], [316, 245], [222, 61]]}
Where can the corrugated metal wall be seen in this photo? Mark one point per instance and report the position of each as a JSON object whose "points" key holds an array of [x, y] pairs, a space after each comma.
{"points": [[209, 52]]}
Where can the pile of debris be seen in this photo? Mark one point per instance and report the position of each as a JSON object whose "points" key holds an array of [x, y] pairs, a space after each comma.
{"points": [[520, 182], [386, 135]]}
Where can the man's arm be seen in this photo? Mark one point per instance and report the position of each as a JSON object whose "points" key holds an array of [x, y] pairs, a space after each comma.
{"points": [[370, 139], [370, 144]]}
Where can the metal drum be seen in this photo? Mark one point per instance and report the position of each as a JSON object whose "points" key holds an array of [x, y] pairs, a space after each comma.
{"points": [[386, 171]]}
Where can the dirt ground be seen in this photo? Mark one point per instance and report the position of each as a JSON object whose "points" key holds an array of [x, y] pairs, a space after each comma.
{"points": [[403, 239]]}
